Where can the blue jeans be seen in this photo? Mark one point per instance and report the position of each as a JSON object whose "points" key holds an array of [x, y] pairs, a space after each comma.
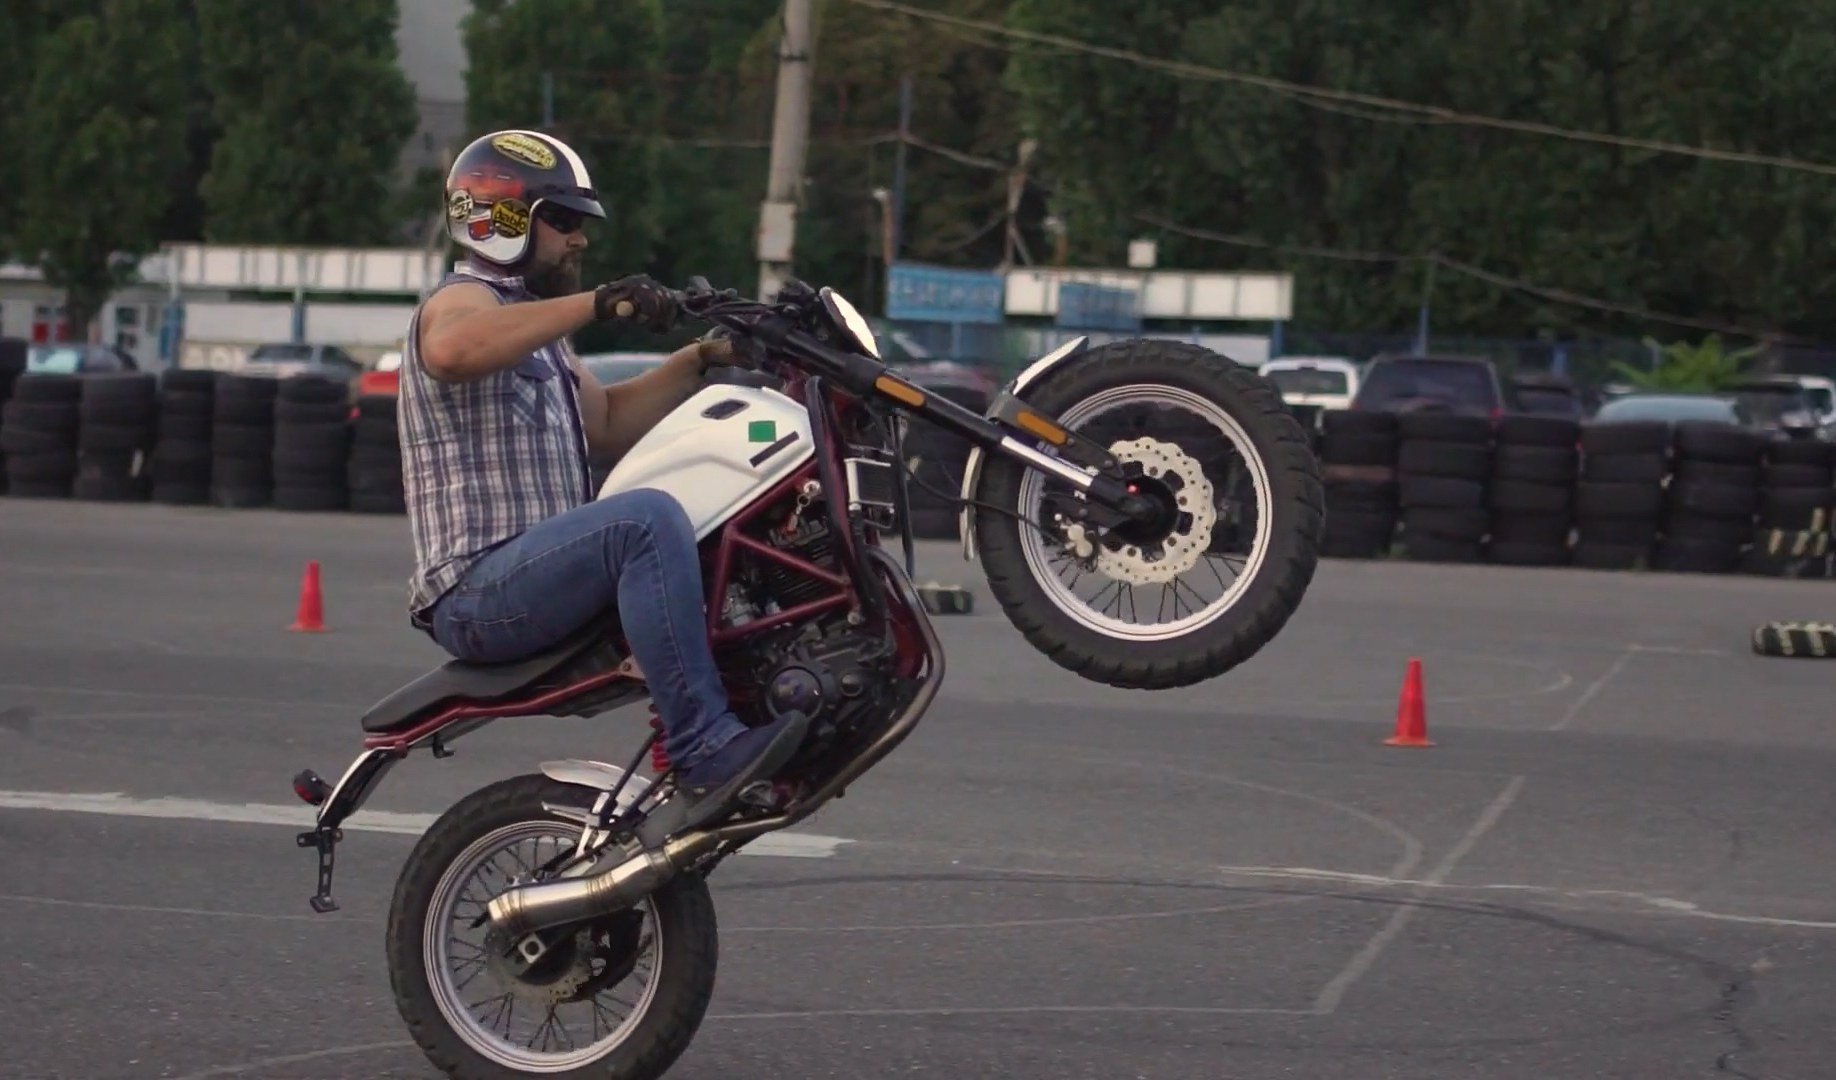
{"points": [[635, 549]]}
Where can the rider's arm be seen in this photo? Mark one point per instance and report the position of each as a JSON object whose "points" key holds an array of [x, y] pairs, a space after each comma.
{"points": [[465, 334], [617, 416]]}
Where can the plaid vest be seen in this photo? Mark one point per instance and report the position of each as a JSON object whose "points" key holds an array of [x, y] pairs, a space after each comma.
{"points": [[482, 461]]}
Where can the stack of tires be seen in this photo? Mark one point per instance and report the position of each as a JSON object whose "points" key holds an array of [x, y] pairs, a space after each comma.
{"points": [[1534, 469], [12, 365], [1619, 502], [1713, 495], [1795, 501], [181, 452], [1444, 462], [242, 441], [937, 459], [312, 444], [38, 433], [375, 474], [1358, 460], [115, 437]]}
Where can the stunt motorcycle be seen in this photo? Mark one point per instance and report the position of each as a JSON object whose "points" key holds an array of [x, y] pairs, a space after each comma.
{"points": [[530, 902]]}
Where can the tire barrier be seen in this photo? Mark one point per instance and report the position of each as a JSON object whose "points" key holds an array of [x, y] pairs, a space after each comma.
{"points": [[312, 444], [38, 434], [375, 472], [1548, 491], [937, 459], [1815, 641], [181, 448], [12, 365], [242, 441], [116, 414]]}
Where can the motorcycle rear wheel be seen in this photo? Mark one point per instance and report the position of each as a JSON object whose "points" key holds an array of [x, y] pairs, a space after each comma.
{"points": [[670, 1004], [1243, 408]]}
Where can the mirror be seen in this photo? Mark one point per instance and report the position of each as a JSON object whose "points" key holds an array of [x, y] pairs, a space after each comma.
{"points": [[846, 316]]}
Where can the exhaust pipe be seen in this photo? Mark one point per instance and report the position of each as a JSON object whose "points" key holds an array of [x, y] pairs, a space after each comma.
{"points": [[529, 908]]}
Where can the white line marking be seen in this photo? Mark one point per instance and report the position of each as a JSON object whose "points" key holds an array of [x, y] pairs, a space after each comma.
{"points": [[1593, 689], [297, 1059], [782, 845], [1334, 992], [1654, 905], [1678, 650]]}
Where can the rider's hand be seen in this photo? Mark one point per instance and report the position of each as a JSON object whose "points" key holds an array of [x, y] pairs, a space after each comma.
{"points": [[719, 347], [638, 299]]}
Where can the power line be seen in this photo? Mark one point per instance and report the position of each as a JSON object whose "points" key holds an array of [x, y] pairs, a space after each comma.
{"points": [[1301, 91], [1458, 266]]}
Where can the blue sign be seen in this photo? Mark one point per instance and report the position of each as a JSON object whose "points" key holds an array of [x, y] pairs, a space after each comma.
{"points": [[1097, 307], [934, 294]]}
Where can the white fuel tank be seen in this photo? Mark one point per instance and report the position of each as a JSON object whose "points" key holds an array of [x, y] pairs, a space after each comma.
{"points": [[717, 451]]}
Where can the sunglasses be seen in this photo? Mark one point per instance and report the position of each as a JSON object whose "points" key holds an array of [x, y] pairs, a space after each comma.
{"points": [[561, 219]]}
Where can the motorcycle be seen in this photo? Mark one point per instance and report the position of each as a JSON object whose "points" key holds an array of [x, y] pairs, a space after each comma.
{"points": [[564, 884]]}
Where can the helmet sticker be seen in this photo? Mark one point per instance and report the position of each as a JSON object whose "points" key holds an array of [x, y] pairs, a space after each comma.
{"points": [[525, 149], [511, 217], [459, 205]]}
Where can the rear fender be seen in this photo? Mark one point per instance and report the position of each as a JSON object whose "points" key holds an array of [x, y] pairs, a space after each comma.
{"points": [[597, 776], [972, 469]]}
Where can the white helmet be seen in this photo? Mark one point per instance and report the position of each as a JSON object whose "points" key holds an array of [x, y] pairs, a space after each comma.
{"points": [[501, 181]]}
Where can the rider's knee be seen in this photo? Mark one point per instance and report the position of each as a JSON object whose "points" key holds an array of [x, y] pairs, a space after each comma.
{"points": [[662, 514]]}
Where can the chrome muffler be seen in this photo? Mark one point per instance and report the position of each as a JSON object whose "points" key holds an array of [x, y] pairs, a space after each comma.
{"points": [[525, 910]]}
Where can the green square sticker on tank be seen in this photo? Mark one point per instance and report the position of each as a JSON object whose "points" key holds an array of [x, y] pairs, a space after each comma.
{"points": [[762, 431]]}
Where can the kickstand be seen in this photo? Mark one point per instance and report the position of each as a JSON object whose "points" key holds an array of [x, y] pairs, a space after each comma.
{"points": [[323, 840]]}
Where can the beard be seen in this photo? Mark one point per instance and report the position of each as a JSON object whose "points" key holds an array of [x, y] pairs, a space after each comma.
{"points": [[558, 278]]}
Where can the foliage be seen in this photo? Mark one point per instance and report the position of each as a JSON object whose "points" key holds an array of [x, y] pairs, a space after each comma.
{"points": [[100, 137], [314, 110], [1703, 367]]}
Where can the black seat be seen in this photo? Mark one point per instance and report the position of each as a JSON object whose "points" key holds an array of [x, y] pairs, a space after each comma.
{"points": [[476, 682]]}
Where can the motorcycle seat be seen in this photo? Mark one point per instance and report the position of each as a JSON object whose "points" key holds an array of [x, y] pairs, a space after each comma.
{"points": [[459, 680]]}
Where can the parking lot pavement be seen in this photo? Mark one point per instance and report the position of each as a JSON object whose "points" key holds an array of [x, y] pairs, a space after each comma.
{"points": [[1617, 861]]}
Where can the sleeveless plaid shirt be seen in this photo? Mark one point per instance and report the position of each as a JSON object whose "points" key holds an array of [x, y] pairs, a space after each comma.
{"points": [[482, 461]]}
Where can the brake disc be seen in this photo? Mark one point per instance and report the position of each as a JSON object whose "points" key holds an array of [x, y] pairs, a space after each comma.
{"points": [[1182, 548]]}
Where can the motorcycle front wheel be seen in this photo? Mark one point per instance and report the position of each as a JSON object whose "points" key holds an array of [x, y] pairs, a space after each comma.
{"points": [[616, 998], [1194, 594]]}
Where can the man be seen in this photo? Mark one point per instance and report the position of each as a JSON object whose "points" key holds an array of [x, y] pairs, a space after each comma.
{"points": [[497, 419]]}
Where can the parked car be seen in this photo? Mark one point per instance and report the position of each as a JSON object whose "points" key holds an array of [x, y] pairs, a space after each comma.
{"points": [[1311, 385], [78, 358], [1456, 384], [1779, 405], [282, 359], [1545, 394], [1641, 405]]}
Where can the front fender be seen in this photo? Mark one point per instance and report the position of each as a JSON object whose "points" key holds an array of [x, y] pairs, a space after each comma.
{"points": [[972, 469]]}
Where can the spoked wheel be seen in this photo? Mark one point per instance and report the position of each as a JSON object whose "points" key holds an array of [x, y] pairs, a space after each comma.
{"points": [[1224, 563], [616, 998]]}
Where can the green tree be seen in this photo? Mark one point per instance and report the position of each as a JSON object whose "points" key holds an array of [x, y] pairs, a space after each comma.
{"points": [[100, 137], [601, 57], [314, 110], [1706, 366]]}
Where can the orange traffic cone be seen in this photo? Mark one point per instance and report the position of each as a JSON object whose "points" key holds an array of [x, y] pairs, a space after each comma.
{"points": [[1411, 712], [311, 616]]}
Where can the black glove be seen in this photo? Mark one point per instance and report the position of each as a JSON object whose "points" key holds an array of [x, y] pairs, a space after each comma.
{"points": [[636, 299]]}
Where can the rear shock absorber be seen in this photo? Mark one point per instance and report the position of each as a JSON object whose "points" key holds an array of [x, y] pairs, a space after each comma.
{"points": [[659, 756]]}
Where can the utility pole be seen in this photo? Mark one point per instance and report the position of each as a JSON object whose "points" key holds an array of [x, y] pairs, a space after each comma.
{"points": [[790, 137], [898, 191]]}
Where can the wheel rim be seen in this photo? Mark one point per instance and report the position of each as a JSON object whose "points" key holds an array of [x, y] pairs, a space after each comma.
{"points": [[1040, 554], [476, 997]]}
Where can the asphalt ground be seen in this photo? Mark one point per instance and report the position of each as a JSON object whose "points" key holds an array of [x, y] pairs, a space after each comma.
{"points": [[1616, 861]]}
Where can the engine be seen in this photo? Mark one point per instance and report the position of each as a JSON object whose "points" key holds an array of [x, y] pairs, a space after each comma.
{"points": [[825, 666]]}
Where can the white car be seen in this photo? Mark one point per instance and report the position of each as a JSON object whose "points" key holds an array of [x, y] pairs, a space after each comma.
{"points": [[1313, 384]]}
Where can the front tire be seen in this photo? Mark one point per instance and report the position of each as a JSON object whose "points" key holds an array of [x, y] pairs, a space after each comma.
{"points": [[432, 996], [1239, 406]]}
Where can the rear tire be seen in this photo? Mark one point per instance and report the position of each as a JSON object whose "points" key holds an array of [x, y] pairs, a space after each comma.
{"points": [[686, 933], [1279, 458]]}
